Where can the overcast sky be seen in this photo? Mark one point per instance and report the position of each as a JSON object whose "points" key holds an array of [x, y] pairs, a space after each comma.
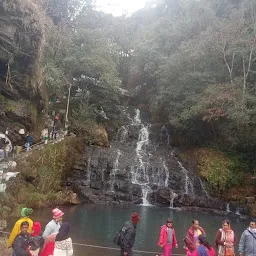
{"points": [[119, 7]]}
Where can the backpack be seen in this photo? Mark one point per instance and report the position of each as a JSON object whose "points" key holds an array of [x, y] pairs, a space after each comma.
{"points": [[119, 237]]}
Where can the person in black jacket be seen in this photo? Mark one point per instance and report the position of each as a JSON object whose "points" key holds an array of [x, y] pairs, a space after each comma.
{"points": [[129, 234], [22, 241]]}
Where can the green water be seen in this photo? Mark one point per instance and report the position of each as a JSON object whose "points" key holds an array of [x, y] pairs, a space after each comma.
{"points": [[97, 225]]}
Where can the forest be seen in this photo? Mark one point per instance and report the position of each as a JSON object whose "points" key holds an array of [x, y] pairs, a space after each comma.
{"points": [[191, 63], [194, 62]]}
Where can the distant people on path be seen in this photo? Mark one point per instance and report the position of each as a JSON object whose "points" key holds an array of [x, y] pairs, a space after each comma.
{"points": [[225, 240], [7, 149], [2, 146], [204, 248], [63, 242], [191, 241], [45, 135], [50, 232], [29, 141], [125, 238], [25, 217], [247, 245], [167, 238]]}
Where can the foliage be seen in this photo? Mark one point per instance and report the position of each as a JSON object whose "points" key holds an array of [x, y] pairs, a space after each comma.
{"points": [[219, 169], [40, 181]]}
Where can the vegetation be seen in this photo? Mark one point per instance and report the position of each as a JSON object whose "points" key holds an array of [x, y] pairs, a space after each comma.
{"points": [[43, 173], [192, 63]]}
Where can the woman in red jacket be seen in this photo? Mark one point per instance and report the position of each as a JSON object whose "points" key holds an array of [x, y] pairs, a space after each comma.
{"points": [[191, 241], [167, 238]]}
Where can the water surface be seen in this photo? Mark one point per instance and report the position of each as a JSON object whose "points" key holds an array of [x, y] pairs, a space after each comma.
{"points": [[98, 224]]}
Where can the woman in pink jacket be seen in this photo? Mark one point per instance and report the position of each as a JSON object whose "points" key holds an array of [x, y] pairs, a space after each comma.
{"points": [[167, 238]]}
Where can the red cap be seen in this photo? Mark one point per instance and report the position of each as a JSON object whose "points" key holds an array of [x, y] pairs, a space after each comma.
{"points": [[135, 218]]}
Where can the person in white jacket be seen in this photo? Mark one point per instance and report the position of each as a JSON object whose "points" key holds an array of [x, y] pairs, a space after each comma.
{"points": [[63, 243]]}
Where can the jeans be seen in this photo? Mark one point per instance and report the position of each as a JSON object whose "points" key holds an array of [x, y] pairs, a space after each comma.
{"points": [[27, 145]]}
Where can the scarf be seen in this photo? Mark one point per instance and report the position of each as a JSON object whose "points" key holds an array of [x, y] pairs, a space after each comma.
{"points": [[63, 232], [228, 237]]}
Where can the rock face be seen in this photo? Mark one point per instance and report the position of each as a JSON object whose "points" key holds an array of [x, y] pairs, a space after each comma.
{"points": [[21, 38], [139, 167]]}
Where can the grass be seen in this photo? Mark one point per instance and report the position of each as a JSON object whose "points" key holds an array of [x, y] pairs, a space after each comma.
{"points": [[41, 176]]}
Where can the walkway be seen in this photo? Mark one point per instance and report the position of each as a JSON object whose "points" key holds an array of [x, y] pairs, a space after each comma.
{"points": [[7, 164]]}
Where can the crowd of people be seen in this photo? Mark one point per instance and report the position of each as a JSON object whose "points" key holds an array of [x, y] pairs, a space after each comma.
{"points": [[25, 238], [195, 242]]}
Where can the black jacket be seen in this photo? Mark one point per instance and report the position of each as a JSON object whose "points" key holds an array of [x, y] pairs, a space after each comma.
{"points": [[129, 235], [21, 244]]}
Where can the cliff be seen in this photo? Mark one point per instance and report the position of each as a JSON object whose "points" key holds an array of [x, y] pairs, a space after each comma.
{"points": [[21, 40]]}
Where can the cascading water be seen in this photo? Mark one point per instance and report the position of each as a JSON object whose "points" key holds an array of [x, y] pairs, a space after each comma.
{"points": [[122, 134], [139, 172], [188, 185], [114, 171], [203, 187], [137, 119], [166, 174], [172, 197], [227, 208]]}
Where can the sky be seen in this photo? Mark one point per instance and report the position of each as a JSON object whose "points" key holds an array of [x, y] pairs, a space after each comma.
{"points": [[119, 7]]}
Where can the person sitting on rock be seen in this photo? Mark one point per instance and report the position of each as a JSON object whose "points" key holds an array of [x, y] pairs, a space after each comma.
{"points": [[25, 213]]}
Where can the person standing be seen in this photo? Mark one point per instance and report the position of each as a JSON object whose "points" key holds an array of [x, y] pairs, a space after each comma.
{"points": [[247, 244], [225, 240], [191, 241], [25, 217], [50, 232], [45, 135], [128, 234], [7, 149], [204, 248], [167, 238], [29, 141], [22, 241], [63, 242]]}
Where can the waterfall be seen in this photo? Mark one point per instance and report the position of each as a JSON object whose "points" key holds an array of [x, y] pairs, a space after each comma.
{"points": [[89, 170], [122, 134], [227, 208], [188, 185], [166, 182], [238, 211], [137, 119], [140, 152], [172, 197], [139, 173], [114, 171], [203, 187]]}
